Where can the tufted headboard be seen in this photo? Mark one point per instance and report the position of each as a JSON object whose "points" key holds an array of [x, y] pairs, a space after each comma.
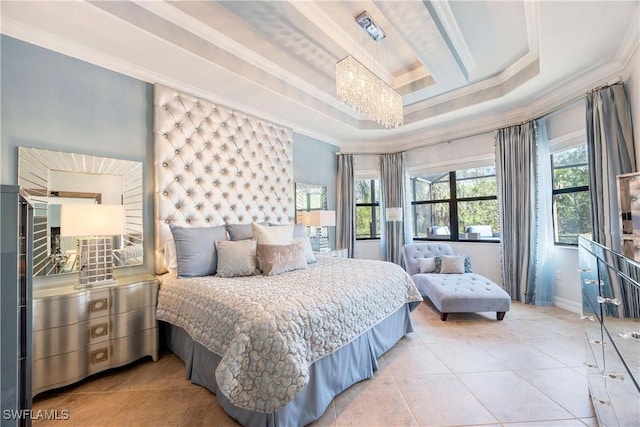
{"points": [[214, 165], [411, 252]]}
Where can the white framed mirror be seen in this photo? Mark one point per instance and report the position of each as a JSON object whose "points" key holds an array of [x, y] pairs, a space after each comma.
{"points": [[54, 178]]}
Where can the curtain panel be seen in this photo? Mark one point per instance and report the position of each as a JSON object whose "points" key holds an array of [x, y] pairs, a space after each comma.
{"points": [[394, 188], [610, 152], [346, 205], [515, 169]]}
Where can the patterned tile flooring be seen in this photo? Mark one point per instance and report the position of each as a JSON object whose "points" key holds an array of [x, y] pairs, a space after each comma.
{"points": [[470, 370]]}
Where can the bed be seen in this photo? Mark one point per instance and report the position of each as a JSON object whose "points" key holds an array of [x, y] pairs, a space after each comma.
{"points": [[274, 350]]}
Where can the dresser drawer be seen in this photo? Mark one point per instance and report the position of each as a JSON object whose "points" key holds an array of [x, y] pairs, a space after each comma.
{"points": [[132, 297], [66, 339], [67, 368], [67, 310]]}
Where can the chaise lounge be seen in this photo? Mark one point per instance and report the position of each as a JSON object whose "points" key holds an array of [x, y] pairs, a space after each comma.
{"points": [[448, 282]]}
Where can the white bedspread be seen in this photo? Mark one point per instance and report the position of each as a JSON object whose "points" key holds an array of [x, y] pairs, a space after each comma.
{"points": [[269, 329]]}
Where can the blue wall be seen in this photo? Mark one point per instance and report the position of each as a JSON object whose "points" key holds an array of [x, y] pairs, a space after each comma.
{"points": [[55, 102]]}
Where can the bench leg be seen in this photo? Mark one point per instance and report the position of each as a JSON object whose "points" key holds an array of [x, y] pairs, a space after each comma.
{"points": [[443, 316], [500, 314]]}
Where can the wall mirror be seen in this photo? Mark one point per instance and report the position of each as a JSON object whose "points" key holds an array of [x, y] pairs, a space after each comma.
{"points": [[53, 178], [311, 197]]}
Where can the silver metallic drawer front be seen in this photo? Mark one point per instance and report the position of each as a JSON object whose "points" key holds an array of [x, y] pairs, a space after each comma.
{"points": [[66, 339], [67, 310], [64, 369]]}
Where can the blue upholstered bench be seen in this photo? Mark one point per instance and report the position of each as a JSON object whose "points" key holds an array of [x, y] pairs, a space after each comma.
{"points": [[453, 293]]}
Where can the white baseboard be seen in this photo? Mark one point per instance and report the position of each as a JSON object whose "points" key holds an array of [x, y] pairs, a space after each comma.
{"points": [[569, 305]]}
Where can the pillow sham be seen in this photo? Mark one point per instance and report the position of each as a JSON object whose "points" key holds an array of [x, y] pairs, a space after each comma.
{"points": [[298, 229], [240, 231], [170, 255], [237, 258], [308, 250], [196, 250], [467, 263], [451, 264], [427, 265], [280, 235], [278, 259]]}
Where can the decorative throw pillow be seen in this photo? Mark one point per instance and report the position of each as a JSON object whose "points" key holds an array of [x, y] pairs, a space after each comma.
{"points": [[277, 259], [170, 255], [237, 258], [308, 250], [452, 264], [265, 235], [298, 229], [467, 263], [196, 250], [240, 231], [427, 265]]}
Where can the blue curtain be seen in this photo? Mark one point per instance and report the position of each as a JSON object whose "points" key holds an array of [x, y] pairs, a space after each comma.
{"points": [[346, 205], [515, 170], [610, 152], [394, 190]]}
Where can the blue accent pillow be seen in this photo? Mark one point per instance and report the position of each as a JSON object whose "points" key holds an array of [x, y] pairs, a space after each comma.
{"points": [[196, 249], [467, 263]]}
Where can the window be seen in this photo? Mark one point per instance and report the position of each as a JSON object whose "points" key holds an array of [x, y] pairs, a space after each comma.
{"points": [[367, 209], [571, 204], [459, 205]]}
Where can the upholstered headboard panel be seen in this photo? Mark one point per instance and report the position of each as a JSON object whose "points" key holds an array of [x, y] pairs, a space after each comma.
{"points": [[413, 251], [214, 165]]}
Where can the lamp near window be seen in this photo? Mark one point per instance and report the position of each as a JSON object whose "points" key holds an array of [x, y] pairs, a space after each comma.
{"points": [[320, 220], [394, 214], [94, 227]]}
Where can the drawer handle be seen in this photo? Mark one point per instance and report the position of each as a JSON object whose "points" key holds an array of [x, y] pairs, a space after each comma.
{"points": [[595, 341], [628, 334], [614, 301], [584, 270], [589, 318], [99, 355], [100, 330], [593, 282], [602, 402], [613, 376], [98, 305], [589, 365]]}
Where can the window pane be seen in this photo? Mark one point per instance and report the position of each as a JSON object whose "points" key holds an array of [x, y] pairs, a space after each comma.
{"points": [[572, 216], [431, 187], [570, 168], [481, 217], [476, 182], [363, 191], [367, 222], [431, 220]]}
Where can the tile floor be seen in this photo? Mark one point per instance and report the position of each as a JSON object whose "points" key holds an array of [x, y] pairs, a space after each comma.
{"points": [[470, 370]]}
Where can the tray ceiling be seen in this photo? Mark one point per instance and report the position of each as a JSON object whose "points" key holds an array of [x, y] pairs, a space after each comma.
{"points": [[461, 66]]}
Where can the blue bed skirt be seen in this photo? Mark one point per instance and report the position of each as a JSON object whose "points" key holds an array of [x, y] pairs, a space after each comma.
{"points": [[328, 377]]}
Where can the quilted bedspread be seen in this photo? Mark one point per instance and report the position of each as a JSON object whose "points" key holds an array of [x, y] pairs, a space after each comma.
{"points": [[270, 329]]}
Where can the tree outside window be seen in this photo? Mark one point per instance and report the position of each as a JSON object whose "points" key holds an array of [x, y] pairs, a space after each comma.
{"points": [[571, 202], [367, 209]]}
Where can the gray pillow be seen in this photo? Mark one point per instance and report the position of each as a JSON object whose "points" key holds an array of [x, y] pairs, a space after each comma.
{"points": [[467, 263], [308, 250], [196, 250], [237, 258], [278, 259], [241, 231]]}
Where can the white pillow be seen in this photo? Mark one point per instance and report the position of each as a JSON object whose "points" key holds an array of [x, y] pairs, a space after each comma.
{"points": [[427, 265], [452, 264], [265, 235], [308, 250], [170, 255]]}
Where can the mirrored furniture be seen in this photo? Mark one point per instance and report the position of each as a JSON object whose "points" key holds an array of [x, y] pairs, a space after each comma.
{"points": [[52, 179], [611, 310], [16, 235], [77, 333]]}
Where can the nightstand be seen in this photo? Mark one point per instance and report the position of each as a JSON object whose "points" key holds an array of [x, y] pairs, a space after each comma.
{"points": [[336, 253], [79, 332]]}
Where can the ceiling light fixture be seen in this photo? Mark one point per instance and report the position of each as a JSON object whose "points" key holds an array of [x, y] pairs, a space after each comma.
{"points": [[363, 90]]}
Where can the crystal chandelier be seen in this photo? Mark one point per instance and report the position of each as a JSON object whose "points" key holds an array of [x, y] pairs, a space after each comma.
{"points": [[364, 91]]}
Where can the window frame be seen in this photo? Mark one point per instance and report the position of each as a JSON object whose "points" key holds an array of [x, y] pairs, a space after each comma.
{"points": [[567, 190], [373, 205], [453, 201]]}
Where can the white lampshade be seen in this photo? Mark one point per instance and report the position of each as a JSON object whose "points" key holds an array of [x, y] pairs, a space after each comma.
{"points": [[91, 220], [322, 218], [394, 214], [303, 218]]}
